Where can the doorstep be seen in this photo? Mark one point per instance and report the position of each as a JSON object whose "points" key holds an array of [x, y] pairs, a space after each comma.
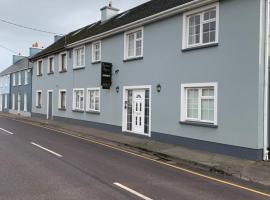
{"points": [[258, 172]]}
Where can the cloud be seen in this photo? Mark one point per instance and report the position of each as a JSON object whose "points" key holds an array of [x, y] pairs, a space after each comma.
{"points": [[61, 16]]}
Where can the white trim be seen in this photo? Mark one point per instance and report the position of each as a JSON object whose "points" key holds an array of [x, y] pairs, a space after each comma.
{"points": [[183, 113], [19, 78], [41, 70], [93, 51], [73, 96], [6, 101], [60, 61], [124, 113], [88, 99], [48, 65], [59, 98], [25, 102], [126, 57], [13, 101], [75, 57], [25, 77], [185, 25], [38, 91], [164, 14], [49, 91]]}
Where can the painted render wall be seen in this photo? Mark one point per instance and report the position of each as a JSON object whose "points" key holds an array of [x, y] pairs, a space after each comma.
{"points": [[234, 64]]}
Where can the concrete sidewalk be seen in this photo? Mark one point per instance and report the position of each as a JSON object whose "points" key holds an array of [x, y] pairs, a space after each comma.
{"points": [[258, 172]]}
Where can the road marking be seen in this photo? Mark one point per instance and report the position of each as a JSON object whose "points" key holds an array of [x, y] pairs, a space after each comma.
{"points": [[48, 150], [132, 191], [6, 131], [147, 158]]}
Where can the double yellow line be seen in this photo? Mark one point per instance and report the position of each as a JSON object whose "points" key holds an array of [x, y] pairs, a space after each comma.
{"points": [[151, 159]]}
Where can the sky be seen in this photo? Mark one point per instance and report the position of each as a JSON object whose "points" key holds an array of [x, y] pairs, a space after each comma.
{"points": [[58, 16]]}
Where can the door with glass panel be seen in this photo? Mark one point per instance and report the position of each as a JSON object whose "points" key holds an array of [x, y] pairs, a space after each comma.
{"points": [[138, 111]]}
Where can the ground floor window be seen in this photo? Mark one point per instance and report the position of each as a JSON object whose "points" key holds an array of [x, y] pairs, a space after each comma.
{"points": [[6, 101], [93, 99], [62, 99], [25, 102], [39, 99], [13, 101], [137, 110], [78, 99], [199, 102]]}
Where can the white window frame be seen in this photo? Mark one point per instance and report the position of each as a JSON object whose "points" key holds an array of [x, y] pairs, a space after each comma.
{"points": [[183, 111], [75, 57], [126, 57], [74, 99], [48, 65], [25, 102], [185, 25], [60, 61], [94, 51], [88, 99], [40, 72], [19, 78], [38, 91], [13, 101], [6, 99], [14, 79], [59, 98], [26, 77]]}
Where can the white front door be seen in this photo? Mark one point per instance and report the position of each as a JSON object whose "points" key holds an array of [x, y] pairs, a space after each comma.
{"points": [[138, 111], [19, 103], [1, 102]]}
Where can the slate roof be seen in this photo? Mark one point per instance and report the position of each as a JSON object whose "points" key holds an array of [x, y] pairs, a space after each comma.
{"points": [[18, 66], [142, 11]]}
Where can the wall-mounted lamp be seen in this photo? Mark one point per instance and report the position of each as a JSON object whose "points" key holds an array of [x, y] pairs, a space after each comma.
{"points": [[116, 71], [158, 88], [117, 89]]}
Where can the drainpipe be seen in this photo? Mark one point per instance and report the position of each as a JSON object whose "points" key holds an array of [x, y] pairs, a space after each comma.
{"points": [[265, 10]]}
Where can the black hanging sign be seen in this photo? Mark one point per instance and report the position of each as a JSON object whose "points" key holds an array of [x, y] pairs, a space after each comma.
{"points": [[106, 75]]}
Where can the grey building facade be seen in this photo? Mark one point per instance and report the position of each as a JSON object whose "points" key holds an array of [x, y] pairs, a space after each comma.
{"points": [[191, 73]]}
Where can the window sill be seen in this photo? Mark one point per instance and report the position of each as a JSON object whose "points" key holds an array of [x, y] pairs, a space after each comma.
{"points": [[62, 109], [96, 62], [199, 124], [133, 59], [50, 73], [78, 68], [79, 111], [200, 47], [62, 71], [93, 112], [38, 107], [39, 74]]}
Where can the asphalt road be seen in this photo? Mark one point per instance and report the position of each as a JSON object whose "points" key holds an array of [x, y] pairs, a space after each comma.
{"points": [[36, 163]]}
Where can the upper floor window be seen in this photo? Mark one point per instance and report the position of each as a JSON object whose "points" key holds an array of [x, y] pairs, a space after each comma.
{"points": [[199, 102], [201, 26], [19, 78], [25, 77], [63, 62], [50, 65], [96, 51], [39, 67], [79, 57], [134, 44], [13, 79]]}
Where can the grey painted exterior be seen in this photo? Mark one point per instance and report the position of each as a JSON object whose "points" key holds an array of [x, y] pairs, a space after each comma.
{"points": [[234, 64]]}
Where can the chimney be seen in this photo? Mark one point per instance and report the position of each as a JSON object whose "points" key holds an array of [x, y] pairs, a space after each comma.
{"points": [[57, 37], [108, 12], [34, 49], [17, 58]]}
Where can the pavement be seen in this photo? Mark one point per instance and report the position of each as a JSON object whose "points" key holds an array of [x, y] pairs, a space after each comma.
{"points": [[86, 163]]}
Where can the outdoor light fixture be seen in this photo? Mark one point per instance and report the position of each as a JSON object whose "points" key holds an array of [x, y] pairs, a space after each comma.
{"points": [[116, 71], [117, 89], [158, 88]]}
